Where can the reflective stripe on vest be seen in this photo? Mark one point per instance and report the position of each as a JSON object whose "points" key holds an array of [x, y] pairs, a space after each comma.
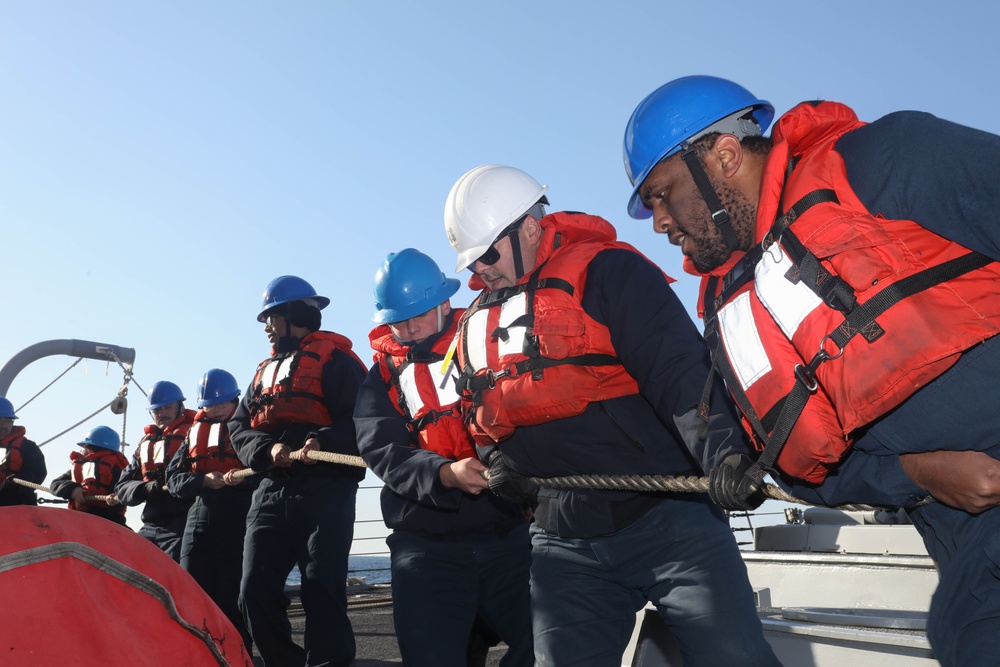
{"points": [[275, 370], [206, 439], [487, 320], [788, 304], [444, 386]]}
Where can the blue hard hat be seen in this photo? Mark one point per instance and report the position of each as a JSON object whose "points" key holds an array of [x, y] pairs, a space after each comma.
{"points": [[681, 111], [284, 289], [217, 386], [103, 437], [409, 283], [164, 393], [6, 409]]}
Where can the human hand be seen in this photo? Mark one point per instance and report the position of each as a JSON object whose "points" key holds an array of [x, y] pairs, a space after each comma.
{"points": [[213, 480], [466, 474], [113, 500], [230, 480], [281, 454], [311, 445], [78, 498], [507, 483], [965, 480], [730, 488]]}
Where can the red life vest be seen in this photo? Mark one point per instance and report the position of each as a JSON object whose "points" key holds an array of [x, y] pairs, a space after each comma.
{"points": [[837, 316], [529, 353], [209, 449], [13, 461], [158, 446], [422, 393], [97, 472], [288, 387]]}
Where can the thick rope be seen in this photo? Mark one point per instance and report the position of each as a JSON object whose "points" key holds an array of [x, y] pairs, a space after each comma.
{"points": [[677, 484], [329, 457], [605, 482], [613, 482], [39, 487]]}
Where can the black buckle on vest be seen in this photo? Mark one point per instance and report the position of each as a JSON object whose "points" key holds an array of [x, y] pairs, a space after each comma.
{"points": [[807, 374], [492, 377]]}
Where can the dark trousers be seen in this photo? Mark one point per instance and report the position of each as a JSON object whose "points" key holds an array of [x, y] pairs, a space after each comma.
{"points": [[681, 556], [309, 522], [212, 548], [167, 537], [439, 587], [956, 411]]}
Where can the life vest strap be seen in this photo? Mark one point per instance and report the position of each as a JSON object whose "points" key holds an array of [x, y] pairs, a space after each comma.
{"points": [[432, 417], [488, 380], [490, 299], [774, 428], [861, 319]]}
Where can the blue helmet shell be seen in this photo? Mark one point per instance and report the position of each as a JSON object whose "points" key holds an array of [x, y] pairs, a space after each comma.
{"points": [[409, 283]]}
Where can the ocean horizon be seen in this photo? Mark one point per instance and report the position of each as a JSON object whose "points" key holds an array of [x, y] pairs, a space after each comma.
{"points": [[373, 569]]}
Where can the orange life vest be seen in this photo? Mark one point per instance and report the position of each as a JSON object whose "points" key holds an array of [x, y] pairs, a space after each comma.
{"points": [[288, 387], [529, 353], [423, 390], [158, 445], [209, 449], [97, 472], [13, 461], [837, 315]]}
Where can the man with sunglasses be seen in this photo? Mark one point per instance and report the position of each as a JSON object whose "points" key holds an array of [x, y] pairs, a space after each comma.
{"points": [[578, 358], [301, 399]]}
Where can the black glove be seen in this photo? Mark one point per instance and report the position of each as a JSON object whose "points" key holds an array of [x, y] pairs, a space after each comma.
{"points": [[730, 488], [506, 483]]}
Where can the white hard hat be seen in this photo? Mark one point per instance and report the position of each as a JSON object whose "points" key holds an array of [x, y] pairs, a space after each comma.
{"points": [[482, 203]]}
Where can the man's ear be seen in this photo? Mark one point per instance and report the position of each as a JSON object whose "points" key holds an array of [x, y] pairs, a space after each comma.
{"points": [[726, 156], [532, 229]]}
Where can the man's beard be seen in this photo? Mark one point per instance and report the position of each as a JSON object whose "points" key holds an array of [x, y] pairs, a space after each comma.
{"points": [[712, 250]]}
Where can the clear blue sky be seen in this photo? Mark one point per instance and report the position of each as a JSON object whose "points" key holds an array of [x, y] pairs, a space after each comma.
{"points": [[161, 162]]}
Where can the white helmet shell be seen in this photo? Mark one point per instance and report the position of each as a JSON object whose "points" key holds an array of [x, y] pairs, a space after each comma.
{"points": [[482, 203]]}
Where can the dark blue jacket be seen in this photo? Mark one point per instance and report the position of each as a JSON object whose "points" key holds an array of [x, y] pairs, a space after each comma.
{"points": [[655, 432], [946, 177]]}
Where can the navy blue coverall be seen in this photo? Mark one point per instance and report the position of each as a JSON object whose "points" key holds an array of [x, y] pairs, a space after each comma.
{"points": [[302, 515]]}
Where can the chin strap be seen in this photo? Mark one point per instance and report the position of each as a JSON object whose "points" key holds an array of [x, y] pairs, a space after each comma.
{"points": [[515, 248], [287, 344], [719, 214]]}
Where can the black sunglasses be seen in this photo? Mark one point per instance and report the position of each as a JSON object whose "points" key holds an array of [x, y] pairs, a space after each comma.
{"points": [[492, 255]]}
